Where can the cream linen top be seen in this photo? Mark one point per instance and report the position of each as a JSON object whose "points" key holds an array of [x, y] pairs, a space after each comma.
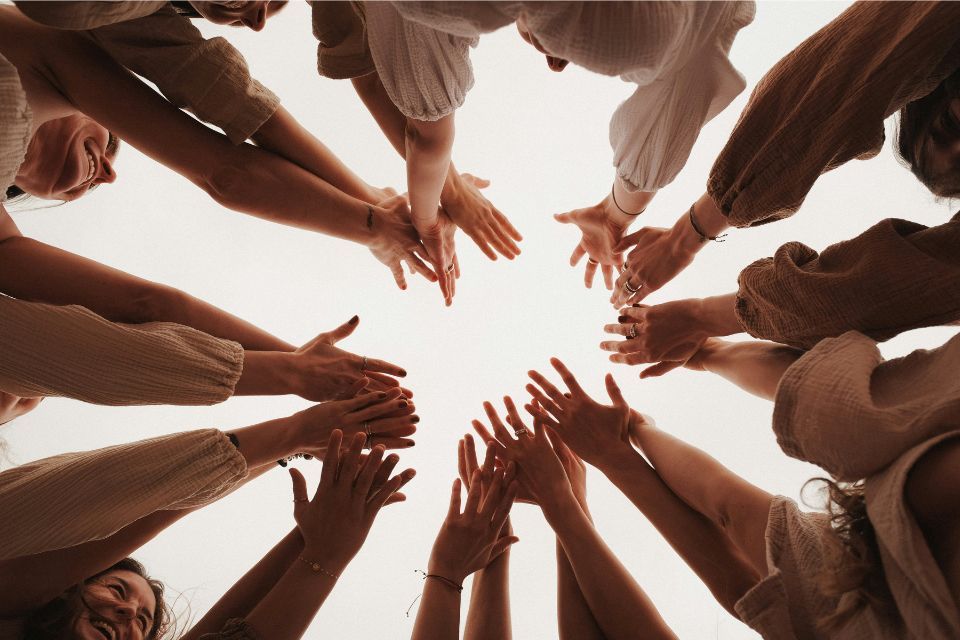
{"points": [[676, 54], [208, 77], [72, 352]]}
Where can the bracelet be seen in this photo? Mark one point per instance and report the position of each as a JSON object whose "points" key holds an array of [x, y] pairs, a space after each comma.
{"points": [[696, 227], [447, 581], [316, 568], [234, 440], [617, 204], [283, 461]]}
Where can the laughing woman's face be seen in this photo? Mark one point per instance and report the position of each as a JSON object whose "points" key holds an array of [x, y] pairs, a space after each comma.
{"points": [[66, 158], [121, 606]]}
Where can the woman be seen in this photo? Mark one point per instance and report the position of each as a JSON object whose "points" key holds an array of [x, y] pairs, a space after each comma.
{"points": [[677, 55], [63, 75], [879, 565], [64, 527], [604, 600], [806, 117]]}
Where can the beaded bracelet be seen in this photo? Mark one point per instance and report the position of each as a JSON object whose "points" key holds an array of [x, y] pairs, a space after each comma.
{"points": [[316, 568], [283, 461], [696, 227], [617, 204]]}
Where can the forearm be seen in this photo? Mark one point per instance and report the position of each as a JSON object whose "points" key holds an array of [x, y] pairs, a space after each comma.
{"points": [[439, 615], [702, 544], [293, 602], [253, 587], [574, 618], [264, 443], [32, 270], [489, 615], [756, 367], [285, 136], [619, 605], [428, 148]]}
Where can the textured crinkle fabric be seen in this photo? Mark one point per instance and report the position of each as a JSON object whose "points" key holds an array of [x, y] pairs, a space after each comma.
{"points": [[676, 53], [234, 629], [895, 276], [69, 351], [341, 32], [825, 102], [77, 15], [788, 603], [73, 498], [15, 123], [843, 407]]}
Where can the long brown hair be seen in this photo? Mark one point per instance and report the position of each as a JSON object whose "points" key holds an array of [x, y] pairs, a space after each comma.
{"points": [[56, 619], [928, 121]]}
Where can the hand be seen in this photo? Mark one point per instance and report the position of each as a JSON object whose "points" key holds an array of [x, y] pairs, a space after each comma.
{"points": [[668, 334], [572, 465], [600, 241], [467, 463], [389, 416], [595, 432], [12, 406], [438, 241], [539, 471], [335, 523], [394, 238], [325, 372], [469, 541], [479, 219]]}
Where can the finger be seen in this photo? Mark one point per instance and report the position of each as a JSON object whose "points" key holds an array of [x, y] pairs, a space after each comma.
{"points": [[368, 471], [350, 463], [508, 226], [454, 509], [483, 242], [486, 471], [386, 428], [336, 335], [502, 510], [483, 432], [589, 272], [363, 400], [614, 391], [564, 218], [512, 413], [462, 460], [398, 276], [563, 451], [541, 415], [567, 377], [299, 486], [622, 329], [479, 183], [386, 468], [626, 346], [500, 239], [389, 489], [547, 386], [456, 269], [607, 276], [473, 495], [500, 431], [392, 442], [393, 405], [381, 381], [544, 401], [578, 253], [490, 501], [416, 264], [637, 314], [395, 498], [630, 358], [331, 458], [382, 366], [660, 368], [470, 453], [502, 545]]}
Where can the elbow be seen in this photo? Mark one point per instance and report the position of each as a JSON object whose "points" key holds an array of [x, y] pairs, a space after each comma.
{"points": [[226, 182], [429, 137], [157, 303]]}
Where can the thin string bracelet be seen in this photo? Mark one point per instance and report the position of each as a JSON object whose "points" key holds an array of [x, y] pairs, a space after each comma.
{"points": [[617, 204], [447, 581], [316, 568], [696, 227]]}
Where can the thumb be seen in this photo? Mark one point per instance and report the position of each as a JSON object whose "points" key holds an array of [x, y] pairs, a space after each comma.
{"points": [[299, 487], [614, 391], [344, 330], [660, 368], [502, 545], [565, 218], [479, 183]]}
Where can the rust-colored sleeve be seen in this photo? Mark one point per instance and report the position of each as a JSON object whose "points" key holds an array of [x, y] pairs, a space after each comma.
{"points": [[897, 275], [825, 102]]}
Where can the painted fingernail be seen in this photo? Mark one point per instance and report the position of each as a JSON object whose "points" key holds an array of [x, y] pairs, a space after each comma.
{"points": [[411, 443], [382, 394], [354, 319], [415, 419], [636, 304], [403, 373], [622, 318], [403, 403]]}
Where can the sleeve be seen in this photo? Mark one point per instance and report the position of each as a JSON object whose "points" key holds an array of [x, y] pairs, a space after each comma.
{"points": [[653, 131], [341, 33], [843, 407], [824, 104], [69, 351], [74, 498], [234, 629], [895, 276], [78, 15], [208, 77], [426, 72]]}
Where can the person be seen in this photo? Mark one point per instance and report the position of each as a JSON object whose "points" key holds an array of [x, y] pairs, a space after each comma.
{"points": [[677, 55], [878, 564], [241, 177], [66, 534], [597, 598], [805, 118]]}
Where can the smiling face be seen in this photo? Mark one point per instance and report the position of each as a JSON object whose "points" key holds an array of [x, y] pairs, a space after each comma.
{"points": [[121, 605], [942, 151], [253, 14], [66, 158]]}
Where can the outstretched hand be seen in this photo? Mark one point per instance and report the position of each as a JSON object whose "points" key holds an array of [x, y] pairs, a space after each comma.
{"points": [[394, 239], [479, 219], [668, 334], [12, 406], [438, 241], [600, 241]]}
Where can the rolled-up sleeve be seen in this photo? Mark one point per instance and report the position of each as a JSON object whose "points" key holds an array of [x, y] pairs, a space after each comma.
{"points": [[825, 102], [426, 72], [73, 498], [234, 629], [69, 351], [208, 77], [897, 275], [843, 407]]}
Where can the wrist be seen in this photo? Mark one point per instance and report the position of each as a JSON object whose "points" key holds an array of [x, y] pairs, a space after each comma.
{"points": [[265, 373], [448, 571], [717, 315], [452, 188], [623, 460], [319, 556], [559, 505], [623, 206]]}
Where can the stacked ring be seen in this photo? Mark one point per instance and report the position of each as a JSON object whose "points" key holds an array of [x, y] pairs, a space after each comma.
{"points": [[366, 429], [521, 431], [592, 261], [363, 364], [629, 287], [632, 332]]}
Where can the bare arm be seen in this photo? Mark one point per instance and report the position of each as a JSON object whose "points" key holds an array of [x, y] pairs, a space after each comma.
{"points": [[489, 615], [755, 366]]}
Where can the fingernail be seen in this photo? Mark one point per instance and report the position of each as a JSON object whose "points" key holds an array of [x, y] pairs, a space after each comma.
{"points": [[382, 394], [410, 444], [415, 419], [403, 373], [354, 319], [622, 318], [636, 304], [403, 403]]}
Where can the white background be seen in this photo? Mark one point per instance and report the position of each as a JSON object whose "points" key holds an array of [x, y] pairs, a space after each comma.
{"points": [[542, 139]]}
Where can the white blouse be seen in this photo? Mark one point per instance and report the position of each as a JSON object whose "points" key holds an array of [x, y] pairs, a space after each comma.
{"points": [[676, 53]]}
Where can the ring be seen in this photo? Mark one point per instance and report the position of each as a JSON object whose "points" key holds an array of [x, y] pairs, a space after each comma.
{"points": [[633, 331], [592, 261], [521, 431], [630, 288], [301, 500], [450, 268], [363, 364]]}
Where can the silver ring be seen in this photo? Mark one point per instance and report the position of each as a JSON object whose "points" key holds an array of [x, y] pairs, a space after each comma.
{"points": [[366, 430], [592, 261], [629, 287], [520, 432], [363, 364], [450, 268], [633, 331]]}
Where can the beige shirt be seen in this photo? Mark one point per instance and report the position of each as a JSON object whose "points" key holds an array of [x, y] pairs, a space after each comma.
{"points": [[825, 102], [15, 123], [897, 275], [208, 77], [675, 53]]}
